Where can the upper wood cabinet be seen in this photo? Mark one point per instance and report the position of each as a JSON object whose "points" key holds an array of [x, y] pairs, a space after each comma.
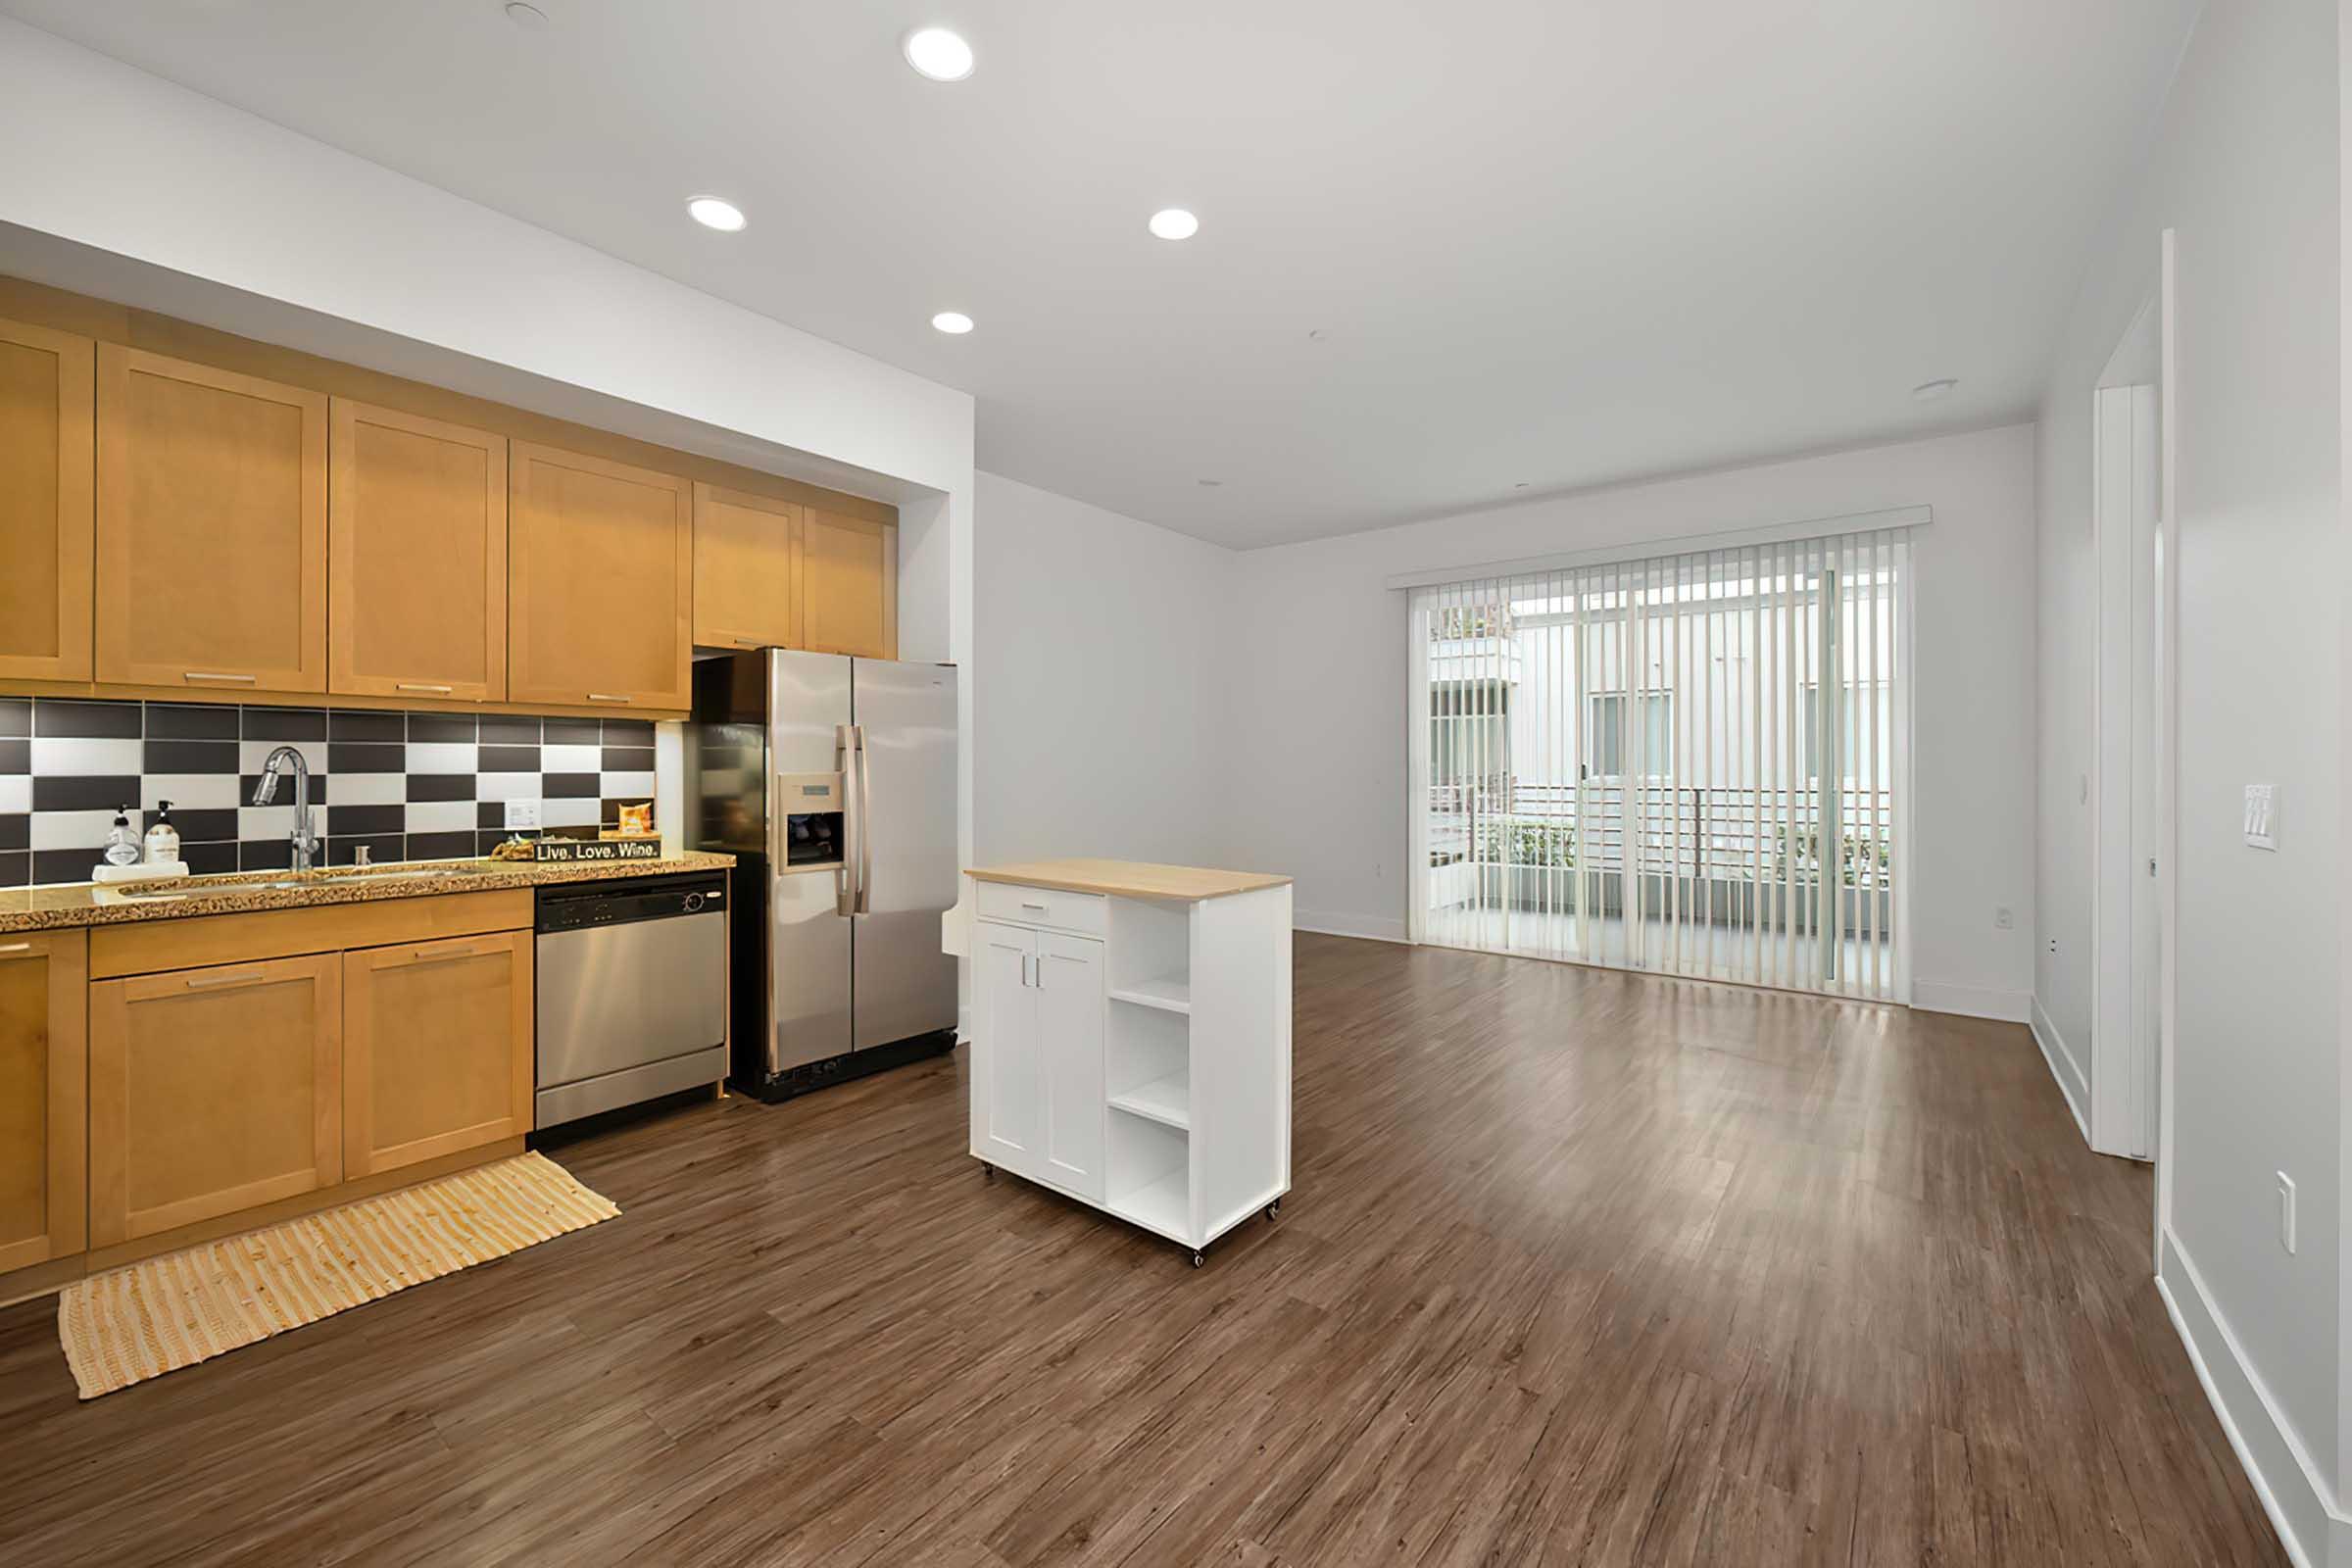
{"points": [[44, 1059], [212, 528], [746, 570], [212, 1089], [849, 585], [417, 556], [600, 561], [438, 1048], [46, 446]]}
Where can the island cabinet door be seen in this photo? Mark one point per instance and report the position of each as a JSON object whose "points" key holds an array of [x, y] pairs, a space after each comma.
{"points": [[211, 1091], [1068, 977], [1008, 1051], [43, 1065], [436, 1048]]}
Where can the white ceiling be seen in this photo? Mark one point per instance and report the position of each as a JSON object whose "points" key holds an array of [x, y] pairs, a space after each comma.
{"points": [[1551, 243]]}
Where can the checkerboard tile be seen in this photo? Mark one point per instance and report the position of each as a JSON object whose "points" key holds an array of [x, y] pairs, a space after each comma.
{"points": [[406, 786]]}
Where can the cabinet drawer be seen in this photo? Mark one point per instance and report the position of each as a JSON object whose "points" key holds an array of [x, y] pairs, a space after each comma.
{"points": [[1064, 911]]}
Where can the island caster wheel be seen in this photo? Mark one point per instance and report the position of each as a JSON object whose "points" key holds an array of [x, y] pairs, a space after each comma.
{"points": [[1274, 1209], [1197, 1261], [988, 1172]]}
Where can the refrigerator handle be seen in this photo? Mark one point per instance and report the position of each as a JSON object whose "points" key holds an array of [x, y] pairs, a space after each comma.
{"points": [[866, 824], [844, 880]]}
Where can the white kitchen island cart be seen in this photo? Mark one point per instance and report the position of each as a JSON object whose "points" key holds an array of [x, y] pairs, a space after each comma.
{"points": [[1131, 1036]]}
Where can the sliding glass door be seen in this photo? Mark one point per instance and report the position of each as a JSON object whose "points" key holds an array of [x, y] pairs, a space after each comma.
{"points": [[1691, 764]]}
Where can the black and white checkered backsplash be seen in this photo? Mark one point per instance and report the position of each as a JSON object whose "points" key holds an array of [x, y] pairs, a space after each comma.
{"points": [[410, 786]]}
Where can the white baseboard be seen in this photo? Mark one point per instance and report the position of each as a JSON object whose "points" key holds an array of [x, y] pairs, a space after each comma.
{"points": [[1349, 925], [2073, 1083], [2299, 1501], [1972, 1001]]}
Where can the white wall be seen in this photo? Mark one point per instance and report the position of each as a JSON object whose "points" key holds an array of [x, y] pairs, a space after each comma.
{"points": [[2245, 167], [1320, 723], [1103, 673]]}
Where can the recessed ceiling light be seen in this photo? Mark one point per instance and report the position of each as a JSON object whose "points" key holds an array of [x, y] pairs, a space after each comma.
{"points": [[955, 321], [524, 14], [713, 211], [939, 54], [1930, 391], [1174, 223]]}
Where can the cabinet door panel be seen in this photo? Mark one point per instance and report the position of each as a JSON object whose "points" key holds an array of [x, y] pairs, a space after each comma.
{"points": [[437, 1049], [849, 585], [1007, 1053], [211, 1091], [1070, 1004], [746, 570], [601, 569], [45, 1060], [47, 446], [417, 556], [212, 528]]}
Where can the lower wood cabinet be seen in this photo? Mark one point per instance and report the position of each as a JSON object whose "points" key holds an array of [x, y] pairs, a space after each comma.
{"points": [[44, 1059], [438, 1048], [212, 1089]]}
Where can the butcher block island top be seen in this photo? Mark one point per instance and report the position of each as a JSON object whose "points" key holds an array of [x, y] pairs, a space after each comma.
{"points": [[51, 908], [1129, 879]]}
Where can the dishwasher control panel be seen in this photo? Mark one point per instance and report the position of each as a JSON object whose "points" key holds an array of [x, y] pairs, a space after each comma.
{"points": [[619, 900]]}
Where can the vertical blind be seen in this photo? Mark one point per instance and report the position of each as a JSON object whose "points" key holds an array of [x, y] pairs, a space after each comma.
{"points": [[1693, 764]]}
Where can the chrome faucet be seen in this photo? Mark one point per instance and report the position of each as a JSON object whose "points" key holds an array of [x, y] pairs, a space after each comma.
{"points": [[306, 842]]}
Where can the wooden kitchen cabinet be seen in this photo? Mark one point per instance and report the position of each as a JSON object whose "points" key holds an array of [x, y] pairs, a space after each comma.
{"points": [[45, 1060], [48, 442], [746, 570], [849, 585], [416, 556], [212, 1089], [211, 527], [437, 1049], [600, 559]]}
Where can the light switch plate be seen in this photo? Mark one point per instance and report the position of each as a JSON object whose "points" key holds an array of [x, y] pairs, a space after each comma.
{"points": [[2262, 817], [522, 814]]}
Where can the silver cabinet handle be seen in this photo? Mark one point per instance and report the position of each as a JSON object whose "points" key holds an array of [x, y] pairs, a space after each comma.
{"points": [[1038, 908], [608, 697], [235, 977], [201, 674], [16, 946], [422, 686]]}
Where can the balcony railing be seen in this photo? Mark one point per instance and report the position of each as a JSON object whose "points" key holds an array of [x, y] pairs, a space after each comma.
{"points": [[1698, 832]]}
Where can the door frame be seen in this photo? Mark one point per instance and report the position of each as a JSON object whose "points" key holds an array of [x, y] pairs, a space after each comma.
{"points": [[2134, 762]]}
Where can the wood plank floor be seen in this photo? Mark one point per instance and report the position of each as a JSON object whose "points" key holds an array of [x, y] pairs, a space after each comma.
{"points": [[1578, 1268]]}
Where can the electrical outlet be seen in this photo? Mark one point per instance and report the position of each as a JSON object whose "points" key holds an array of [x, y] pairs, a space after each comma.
{"points": [[2286, 1212], [522, 814], [2004, 920]]}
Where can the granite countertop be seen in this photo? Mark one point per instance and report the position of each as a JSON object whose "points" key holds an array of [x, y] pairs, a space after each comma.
{"points": [[1130, 879], [83, 905]]}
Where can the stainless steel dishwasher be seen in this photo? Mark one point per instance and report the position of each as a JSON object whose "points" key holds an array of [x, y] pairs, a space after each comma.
{"points": [[632, 991]]}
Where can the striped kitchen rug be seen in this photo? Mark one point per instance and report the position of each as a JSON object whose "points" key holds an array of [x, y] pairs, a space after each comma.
{"points": [[167, 1312]]}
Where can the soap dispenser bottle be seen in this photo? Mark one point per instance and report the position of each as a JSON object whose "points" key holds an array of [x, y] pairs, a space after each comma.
{"points": [[121, 840], [162, 839]]}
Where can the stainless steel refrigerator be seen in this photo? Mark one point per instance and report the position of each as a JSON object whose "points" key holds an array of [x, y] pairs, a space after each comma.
{"points": [[832, 780]]}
